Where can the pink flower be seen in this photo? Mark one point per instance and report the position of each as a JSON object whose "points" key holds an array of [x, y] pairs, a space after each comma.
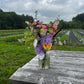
{"points": [[40, 22], [52, 34], [53, 28], [64, 42], [20, 40], [55, 24], [38, 26], [45, 30], [43, 26], [46, 26]]}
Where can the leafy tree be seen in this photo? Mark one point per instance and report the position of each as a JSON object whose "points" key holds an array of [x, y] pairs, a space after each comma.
{"points": [[11, 20]]}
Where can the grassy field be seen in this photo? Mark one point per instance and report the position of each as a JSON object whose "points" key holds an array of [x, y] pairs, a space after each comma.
{"points": [[14, 55]]}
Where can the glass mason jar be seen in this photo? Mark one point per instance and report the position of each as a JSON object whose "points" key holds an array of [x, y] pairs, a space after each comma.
{"points": [[44, 63]]}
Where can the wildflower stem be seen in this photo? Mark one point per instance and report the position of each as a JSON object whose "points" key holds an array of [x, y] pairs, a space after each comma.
{"points": [[58, 32]]}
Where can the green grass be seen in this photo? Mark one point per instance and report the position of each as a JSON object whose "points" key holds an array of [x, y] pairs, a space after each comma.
{"points": [[14, 55], [75, 47], [13, 30], [12, 38], [66, 37], [11, 33], [77, 35]]}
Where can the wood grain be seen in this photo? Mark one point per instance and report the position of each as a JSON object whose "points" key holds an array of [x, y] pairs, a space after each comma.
{"points": [[66, 67]]}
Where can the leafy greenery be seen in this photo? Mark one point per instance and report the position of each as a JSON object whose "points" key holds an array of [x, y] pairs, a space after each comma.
{"points": [[79, 17], [65, 37], [76, 23], [10, 20]]}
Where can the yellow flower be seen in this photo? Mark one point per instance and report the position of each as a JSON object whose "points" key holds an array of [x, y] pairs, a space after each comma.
{"points": [[49, 25], [49, 46], [42, 30], [45, 46]]}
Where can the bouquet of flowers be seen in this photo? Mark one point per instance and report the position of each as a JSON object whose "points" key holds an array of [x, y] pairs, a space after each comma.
{"points": [[44, 36]]}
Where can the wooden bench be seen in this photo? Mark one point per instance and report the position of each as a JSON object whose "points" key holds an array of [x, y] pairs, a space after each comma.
{"points": [[66, 67]]}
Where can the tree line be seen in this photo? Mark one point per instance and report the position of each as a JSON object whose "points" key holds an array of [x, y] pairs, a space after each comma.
{"points": [[76, 23], [11, 20]]}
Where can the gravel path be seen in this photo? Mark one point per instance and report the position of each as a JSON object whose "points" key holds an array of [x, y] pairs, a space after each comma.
{"points": [[72, 38]]}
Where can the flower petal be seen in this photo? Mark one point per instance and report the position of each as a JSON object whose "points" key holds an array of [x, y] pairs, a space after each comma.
{"points": [[41, 56], [49, 46]]}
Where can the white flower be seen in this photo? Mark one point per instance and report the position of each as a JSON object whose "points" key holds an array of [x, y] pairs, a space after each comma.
{"points": [[35, 43], [41, 56], [27, 22]]}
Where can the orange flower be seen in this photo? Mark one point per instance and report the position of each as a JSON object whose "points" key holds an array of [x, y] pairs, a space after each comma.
{"points": [[34, 23], [43, 26], [45, 46], [38, 26], [49, 46], [40, 22]]}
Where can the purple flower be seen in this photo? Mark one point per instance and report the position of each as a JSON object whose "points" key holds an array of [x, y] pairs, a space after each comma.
{"points": [[46, 39], [38, 49]]}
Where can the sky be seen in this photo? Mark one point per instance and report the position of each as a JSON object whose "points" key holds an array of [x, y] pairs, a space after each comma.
{"points": [[48, 10]]}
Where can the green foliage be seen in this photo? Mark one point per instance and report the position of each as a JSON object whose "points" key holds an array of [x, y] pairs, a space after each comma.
{"points": [[79, 17], [28, 37], [76, 23], [29, 40], [10, 20], [65, 37]]}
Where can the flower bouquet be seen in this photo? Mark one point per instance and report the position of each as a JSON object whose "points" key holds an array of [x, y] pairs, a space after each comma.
{"points": [[44, 38]]}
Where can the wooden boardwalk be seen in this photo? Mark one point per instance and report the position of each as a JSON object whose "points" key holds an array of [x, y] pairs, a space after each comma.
{"points": [[66, 67]]}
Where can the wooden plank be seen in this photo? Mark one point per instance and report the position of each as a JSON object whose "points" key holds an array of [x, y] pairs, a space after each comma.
{"points": [[66, 67]]}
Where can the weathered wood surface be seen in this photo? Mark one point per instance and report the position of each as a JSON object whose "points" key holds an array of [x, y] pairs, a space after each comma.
{"points": [[66, 67]]}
